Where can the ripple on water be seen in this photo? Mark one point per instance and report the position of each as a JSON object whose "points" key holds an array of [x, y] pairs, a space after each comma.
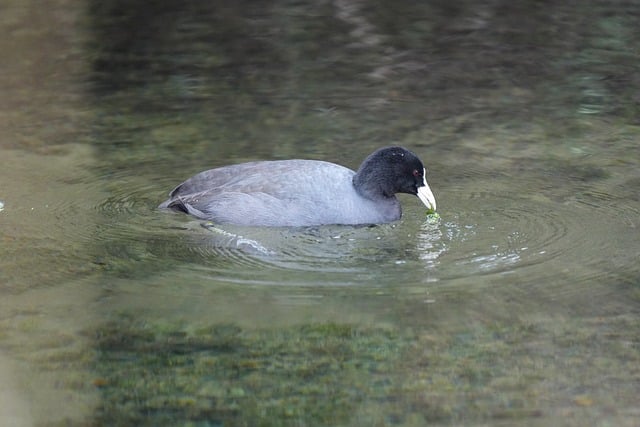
{"points": [[134, 229], [501, 232], [312, 256], [480, 233], [47, 218]]}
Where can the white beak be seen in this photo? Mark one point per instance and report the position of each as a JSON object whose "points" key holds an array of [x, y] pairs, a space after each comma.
{"points": [[425, 194]]}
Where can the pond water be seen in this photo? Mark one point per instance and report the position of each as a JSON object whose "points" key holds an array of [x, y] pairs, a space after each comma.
{"points": [[519, 306]]}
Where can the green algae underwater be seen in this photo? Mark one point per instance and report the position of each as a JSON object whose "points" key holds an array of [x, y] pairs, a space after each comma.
{"points": [[518, 306], [345, 374]]}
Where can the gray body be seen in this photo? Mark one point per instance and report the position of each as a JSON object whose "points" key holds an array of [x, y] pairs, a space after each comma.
{"points": [[281, 193]]}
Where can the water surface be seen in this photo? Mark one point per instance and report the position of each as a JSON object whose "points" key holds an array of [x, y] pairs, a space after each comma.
{"points": [[518, 307]]}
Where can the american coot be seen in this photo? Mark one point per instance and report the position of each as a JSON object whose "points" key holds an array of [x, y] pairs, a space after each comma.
{"points": [[305, 192]]}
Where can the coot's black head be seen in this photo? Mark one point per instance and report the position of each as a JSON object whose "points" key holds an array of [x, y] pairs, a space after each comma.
{"points": [[392, 170]]}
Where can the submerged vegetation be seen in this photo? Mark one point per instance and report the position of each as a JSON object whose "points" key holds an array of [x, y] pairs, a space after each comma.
{"points": [[465, 322], [344, 374], [224, 375]]}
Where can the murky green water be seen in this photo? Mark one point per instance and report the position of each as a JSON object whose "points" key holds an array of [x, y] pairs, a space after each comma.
{"points": [[519, 307]]}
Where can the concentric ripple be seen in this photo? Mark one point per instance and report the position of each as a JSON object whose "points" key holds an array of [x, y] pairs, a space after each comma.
{"points": [[502, 232], [480, 233], [313, 256]]}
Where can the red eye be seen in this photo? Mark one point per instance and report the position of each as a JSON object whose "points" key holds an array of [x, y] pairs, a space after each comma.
{"points": [[416, 173]]}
